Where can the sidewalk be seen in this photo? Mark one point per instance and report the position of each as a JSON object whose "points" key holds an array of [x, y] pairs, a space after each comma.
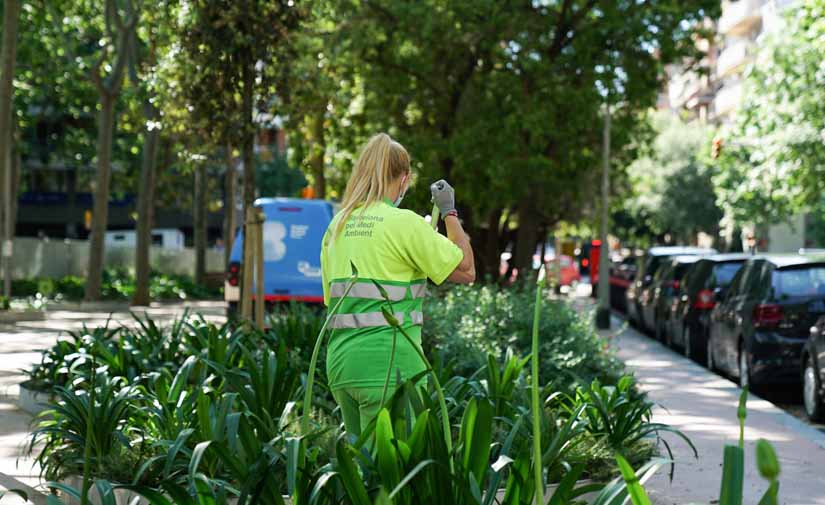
{"points": [[703, 405]]}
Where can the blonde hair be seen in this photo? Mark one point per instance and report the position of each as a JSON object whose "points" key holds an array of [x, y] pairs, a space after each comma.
{"points": [[381, 163]]}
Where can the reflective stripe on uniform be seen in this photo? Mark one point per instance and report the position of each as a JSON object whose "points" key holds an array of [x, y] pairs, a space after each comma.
{"points": [[419, 290], [368, 291], [370, 320]]}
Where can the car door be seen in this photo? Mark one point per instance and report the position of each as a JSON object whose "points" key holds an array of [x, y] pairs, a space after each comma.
{"points": [[720, 321], [739, 312], [654, 292], [818, 347], [693, 281]]}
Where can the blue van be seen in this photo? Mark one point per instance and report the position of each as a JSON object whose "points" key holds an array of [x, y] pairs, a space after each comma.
{"points": [[292, 234]]}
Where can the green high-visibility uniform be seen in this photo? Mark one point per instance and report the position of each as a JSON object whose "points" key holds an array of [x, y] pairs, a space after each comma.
{"points": [[399, 250]]}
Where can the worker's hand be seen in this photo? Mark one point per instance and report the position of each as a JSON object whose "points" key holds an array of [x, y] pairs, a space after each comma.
{"points": [[443, 196]]}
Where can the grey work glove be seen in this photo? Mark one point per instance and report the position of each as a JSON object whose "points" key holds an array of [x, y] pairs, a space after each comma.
{"points": [[443, 196]]}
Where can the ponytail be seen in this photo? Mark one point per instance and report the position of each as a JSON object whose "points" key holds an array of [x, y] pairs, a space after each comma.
{"points": [[382, 161]]}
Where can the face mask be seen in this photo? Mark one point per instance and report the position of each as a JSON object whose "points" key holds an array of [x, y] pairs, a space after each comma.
{"points": [[397, 201]]}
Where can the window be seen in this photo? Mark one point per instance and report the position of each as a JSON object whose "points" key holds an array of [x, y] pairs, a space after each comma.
{"points": [[662, 272], [808, 280], [723, 273], [738, 280], [749, 282], [157, 239], [696, 278]]}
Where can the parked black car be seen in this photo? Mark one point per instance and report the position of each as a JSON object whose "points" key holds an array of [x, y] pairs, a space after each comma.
{"points": [[649, 263], [622, 274], [813, 372], [705, 282], [656, 301], [758, 330]]}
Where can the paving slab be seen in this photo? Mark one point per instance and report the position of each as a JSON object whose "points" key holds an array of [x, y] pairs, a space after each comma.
{"points": [[703, 405]]}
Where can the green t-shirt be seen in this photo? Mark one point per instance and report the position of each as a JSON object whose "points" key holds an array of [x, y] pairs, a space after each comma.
{"points": [[400, 250]]}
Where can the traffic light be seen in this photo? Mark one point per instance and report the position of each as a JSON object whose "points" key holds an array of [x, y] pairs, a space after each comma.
{"points": [[716, 149]]}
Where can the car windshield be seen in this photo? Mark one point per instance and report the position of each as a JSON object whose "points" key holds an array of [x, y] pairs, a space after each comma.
{"points": [[724, 272], [805, 281]]}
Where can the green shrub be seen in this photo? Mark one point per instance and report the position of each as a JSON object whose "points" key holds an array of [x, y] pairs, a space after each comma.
{"points": [[24, 287], [469, 322], [117, 284], [70, 287]]}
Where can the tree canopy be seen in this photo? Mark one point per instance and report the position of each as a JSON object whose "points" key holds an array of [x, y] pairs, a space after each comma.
{"points": [[774, 154], [505, 99], [671, 185]]}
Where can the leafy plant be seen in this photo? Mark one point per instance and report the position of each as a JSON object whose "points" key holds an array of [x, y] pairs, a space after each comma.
{"points": [[619, 415], [471, 322]]}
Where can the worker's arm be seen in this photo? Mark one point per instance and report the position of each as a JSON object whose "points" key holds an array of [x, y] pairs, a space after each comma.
{"points": [[465, 272], [444, 198]]}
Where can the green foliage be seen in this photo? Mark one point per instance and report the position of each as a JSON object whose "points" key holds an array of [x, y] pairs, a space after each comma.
{"points": [[205, 412], [774, 153], [620, 416], [275, 177], [671, 187], [118, 284], [470, 322]]}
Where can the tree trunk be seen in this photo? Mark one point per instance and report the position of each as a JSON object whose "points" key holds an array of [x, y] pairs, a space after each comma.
{"points": [[17, 163], [200, 224], [317, 149], [491, 256], [248, 152], [230, 219], [100, 212], [8, 57], [146, 199], [526, 238]]}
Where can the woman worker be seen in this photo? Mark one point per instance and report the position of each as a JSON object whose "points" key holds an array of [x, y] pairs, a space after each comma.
{"points": [[399, 250]]}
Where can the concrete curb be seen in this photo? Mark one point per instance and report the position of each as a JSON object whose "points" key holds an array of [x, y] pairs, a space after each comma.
{"points": [[11, 317], [35, 496]]}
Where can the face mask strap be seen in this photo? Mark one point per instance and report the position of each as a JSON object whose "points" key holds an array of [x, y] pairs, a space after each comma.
{"points": [[401, 195]]}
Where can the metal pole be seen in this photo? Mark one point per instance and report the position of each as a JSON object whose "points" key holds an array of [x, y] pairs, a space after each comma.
{"points": [[603, 312]]}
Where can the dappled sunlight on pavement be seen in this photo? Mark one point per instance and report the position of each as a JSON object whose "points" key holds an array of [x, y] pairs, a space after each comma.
{"points": [[703, 405]]}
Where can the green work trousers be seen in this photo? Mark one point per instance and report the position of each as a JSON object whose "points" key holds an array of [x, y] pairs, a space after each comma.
{"points": [[358, 407]]}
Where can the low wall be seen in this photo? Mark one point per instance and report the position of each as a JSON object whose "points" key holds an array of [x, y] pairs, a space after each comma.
{"points": [[52, 258]]}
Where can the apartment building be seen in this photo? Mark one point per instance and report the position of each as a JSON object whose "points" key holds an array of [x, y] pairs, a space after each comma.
{"points": [[741, 29], [712, 91]]}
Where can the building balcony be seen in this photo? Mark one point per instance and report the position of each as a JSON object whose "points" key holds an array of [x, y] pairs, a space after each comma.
{"points": [[733, 57], [728, 98], [740, 17]]}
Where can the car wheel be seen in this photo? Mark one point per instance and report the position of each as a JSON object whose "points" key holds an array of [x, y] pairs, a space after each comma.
{"points": [[811, 392], [744, 368]]}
